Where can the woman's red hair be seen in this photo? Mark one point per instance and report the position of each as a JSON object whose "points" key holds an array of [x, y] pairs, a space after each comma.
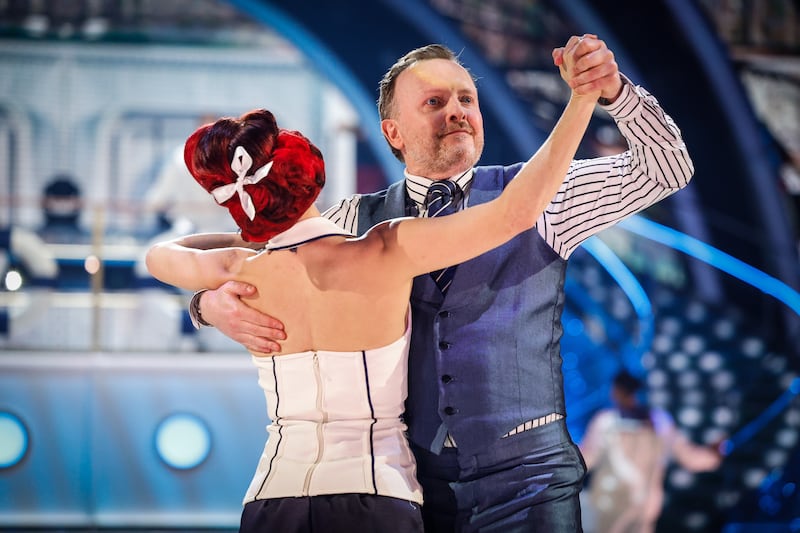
{"points": [[280, 199]]}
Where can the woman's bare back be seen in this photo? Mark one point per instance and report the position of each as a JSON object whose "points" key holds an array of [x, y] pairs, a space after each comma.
{"points": [[330, 295]]}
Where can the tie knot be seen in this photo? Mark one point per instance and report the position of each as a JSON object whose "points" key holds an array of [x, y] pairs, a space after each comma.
{"points": [[443, 198]]}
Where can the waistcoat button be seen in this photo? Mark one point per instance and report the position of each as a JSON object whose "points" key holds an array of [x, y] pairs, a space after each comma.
{"points": [[450, 410]]}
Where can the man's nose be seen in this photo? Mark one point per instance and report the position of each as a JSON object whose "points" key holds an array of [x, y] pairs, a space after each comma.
{"points": [[456, 111]]}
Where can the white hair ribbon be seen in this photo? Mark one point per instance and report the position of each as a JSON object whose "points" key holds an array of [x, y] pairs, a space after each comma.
{"points": [[240, 164]]}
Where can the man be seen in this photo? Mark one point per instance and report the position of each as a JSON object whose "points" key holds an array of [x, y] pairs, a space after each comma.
{"points": [[486, 405], [628, 448]]}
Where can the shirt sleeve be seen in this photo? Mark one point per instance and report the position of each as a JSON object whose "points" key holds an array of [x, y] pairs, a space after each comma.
{"points": [[345, 214], [600, 192]]}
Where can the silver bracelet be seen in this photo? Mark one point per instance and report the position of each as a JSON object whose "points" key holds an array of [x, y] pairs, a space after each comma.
{"points": [[194, 310]]}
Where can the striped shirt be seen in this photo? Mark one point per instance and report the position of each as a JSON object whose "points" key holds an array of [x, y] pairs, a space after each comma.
{"points": [[596, 193]]}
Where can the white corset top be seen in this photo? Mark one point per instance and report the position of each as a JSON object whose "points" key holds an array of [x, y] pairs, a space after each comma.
{"points": [[335, 424]]}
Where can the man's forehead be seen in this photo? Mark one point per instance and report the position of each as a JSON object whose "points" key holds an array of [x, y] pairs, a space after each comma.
{"points": [[438, 73]]}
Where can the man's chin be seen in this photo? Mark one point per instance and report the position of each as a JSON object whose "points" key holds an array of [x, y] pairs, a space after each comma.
{"points": [[458, 167]]}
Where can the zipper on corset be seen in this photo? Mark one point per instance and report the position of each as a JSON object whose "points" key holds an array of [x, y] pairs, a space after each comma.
{"points": [[320, 441]]}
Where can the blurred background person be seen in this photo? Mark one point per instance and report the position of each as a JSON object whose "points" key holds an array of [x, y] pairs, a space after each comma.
{"points": [[62, 204], [627, 449]]}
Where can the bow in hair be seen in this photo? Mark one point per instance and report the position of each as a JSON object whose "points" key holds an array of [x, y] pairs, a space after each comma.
{"points": [[240, 164]]}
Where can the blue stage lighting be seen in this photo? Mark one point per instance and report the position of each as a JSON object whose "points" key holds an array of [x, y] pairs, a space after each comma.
{"points": [[13, 439], [183, 441]]}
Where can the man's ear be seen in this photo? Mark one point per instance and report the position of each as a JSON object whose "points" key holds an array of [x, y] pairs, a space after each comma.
{"points": [[391, 133]]}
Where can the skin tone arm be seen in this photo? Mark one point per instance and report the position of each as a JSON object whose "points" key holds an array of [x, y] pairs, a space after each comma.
{"points": [[197, 261], [392, 253], [585, 63]]}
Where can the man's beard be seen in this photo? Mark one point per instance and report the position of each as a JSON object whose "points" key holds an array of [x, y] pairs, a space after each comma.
{"points": [[447, 160]]}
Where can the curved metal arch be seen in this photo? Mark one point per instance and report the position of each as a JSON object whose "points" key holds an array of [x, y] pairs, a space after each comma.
{"points": [[323, 59], [359, 60]]}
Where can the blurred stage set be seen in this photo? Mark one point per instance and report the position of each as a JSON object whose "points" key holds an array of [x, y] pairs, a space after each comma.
{"points": [[115, 414]]}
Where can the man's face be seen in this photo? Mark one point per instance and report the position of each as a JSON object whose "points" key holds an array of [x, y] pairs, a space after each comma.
{"points": [[435, 120]]}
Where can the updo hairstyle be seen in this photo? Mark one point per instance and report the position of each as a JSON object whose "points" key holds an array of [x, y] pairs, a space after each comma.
{"points": [[283, 195]]}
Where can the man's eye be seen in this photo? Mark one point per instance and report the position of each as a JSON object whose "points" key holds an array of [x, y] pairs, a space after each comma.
{"points": [[467, 99], [433, 101]]}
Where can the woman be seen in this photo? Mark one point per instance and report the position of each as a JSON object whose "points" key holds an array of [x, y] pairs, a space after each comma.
{"points": [[336, 457]]}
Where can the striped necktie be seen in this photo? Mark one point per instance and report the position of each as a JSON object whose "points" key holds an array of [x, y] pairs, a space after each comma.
{"points": [[444, 198]]}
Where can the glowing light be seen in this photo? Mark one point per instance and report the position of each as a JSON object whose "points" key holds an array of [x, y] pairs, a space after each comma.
{"points": [[682, 479], [678, 361], [13, 440], [723, 416], [714, 257], [690, 417], [183, 441], [13, 280], [629, 285], [710, 361], [92, 264]]}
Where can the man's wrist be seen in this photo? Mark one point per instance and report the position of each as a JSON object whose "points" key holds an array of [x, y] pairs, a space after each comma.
{"points": [[194, 310], [609, 101]]}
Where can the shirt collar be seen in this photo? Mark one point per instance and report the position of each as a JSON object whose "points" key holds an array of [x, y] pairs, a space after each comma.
{"points": [[417, 186]]}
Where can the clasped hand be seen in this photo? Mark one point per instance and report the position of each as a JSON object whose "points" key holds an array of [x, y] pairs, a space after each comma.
{"points": [[588, 67]]}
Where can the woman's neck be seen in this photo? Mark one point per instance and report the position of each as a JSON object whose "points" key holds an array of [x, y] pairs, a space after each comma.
{"points": [[311, 212]]}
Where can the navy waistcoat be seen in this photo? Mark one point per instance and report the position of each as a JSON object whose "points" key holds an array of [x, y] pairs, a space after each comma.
{"points": [[485, 358]]}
